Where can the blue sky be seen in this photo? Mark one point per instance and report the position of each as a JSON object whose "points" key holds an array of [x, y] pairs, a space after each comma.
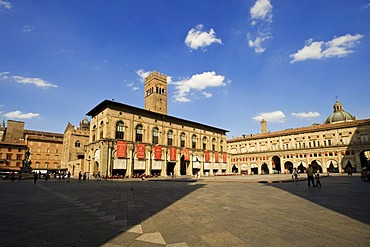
{"points": [[229, 63]]}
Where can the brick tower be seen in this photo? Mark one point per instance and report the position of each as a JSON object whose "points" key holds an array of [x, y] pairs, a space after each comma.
{"points": [[155, 95]]}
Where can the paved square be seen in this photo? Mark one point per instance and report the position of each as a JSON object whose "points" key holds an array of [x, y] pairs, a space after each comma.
{"points": [[207, 212]]}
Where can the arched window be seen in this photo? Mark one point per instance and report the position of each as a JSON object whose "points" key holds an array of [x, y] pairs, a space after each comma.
{"points": [[94, 133], [139, 133], [169, 137], [213, 144], [77, 144], [204, 142], [155, 135], [222, 145], [194, 141], [182, 139], [120, 130]]}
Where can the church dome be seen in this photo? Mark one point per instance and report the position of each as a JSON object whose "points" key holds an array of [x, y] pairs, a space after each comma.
{"points": [[339, 115]]}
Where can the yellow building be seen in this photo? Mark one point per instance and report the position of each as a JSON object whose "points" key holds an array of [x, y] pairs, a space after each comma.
{"points": [[130, 141], [342, 142]]}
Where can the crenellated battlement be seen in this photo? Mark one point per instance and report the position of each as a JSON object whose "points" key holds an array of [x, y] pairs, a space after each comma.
{"points": [[156, 74]]}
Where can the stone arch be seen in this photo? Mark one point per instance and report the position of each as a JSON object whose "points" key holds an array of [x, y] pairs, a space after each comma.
{"points": [[302, 166], [265, 169], [332, 166], [316, 166], [288, 167], [276, 165]]}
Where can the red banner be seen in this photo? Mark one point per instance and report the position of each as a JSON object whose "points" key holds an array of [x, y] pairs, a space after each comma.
{"points": [[172, 153], [224, 157], [206, 156], [140, 149], [186, 154], [157, 152], [121, 149], [216, 157]]}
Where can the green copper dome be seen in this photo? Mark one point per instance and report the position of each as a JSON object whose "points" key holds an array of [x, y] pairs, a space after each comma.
{"points": [[339, 115]]}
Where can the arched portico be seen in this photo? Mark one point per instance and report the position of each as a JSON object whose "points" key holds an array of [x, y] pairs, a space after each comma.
{"points": [[332, 166], [276, 165], [288, 167], [316, 166]]}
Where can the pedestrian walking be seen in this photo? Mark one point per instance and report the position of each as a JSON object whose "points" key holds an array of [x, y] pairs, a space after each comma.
{"points": [[84, 176], [295, 175], [318, 180], [46, 177], [12, 176], [35, 176], [310, 177], [68, 176], [79, 176]]}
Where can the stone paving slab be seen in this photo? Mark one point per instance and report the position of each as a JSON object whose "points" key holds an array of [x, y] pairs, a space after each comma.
{"points": [[228, 211]]}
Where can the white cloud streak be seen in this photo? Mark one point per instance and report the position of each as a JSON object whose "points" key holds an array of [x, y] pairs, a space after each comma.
{"points": [[303, 115], [5, 5], [273, 117], [197, 38], [256, 44], [197, 82], [261, 10], [19, 115], [261, 13], [337, 47], [26, 80]]}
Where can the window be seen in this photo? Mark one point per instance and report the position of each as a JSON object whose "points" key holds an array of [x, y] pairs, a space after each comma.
{"points": [[8, 156], [204, 142], [120, 128], [221, 145], [77, 144], [169, 138], [139, 133], [213, 144], [182, 140], [155, 135], [194, 141], [19, 156]]}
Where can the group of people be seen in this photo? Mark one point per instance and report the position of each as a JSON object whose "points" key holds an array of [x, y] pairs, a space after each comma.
{"points": [[312, 176]]}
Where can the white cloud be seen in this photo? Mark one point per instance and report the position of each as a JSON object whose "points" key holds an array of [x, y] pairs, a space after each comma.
{"points": [[36, 81], [366, 6], [261, 10], [142, 74], [337, 47], [26, 80], [207, 95], [303, 115], [257, 43], [273, 117], [28, 28], [20, 115], [196, 38], [5, 4], [197, 82]]}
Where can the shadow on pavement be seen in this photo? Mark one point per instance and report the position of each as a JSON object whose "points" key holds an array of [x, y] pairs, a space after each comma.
{"points": [[88, 213], [347, 195]]}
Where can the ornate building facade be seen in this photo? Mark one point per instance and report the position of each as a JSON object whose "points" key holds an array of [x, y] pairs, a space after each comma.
{"points": [[130, 141], [74, 140], [342, 142]]}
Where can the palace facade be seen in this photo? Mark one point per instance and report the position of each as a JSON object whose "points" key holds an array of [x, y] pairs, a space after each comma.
{"points": [[127, 141], [342, 142], [45, 147]]}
